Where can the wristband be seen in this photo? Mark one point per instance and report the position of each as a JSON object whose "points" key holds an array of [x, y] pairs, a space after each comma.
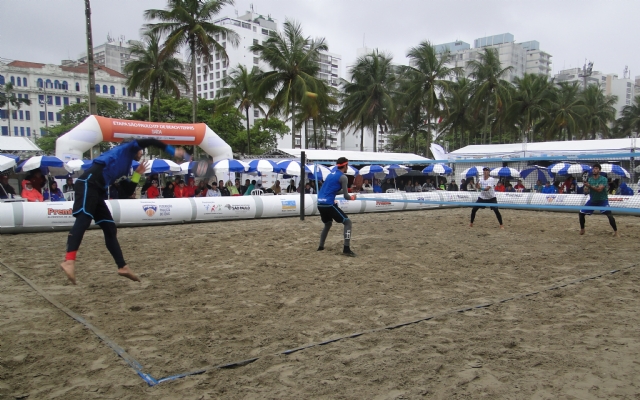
{"points": [[135, 178]]}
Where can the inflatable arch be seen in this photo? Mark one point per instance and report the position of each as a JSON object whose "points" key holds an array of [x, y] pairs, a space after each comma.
{"points": [[96, 129]]}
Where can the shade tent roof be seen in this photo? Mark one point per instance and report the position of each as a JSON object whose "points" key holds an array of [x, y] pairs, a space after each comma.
{"points": [[570, 147], [354, 156], [17, 144]]}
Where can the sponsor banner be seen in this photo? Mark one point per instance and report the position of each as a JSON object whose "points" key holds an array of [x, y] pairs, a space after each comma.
{"points": [[55, 213], [154, 211], [115, 130], [422, 196], [219, 208], [383, 205], [559, 199]]}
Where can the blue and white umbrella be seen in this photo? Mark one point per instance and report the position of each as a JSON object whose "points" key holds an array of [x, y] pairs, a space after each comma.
{"points": [[536, 173], [395, 170], [612, 169], [371, 169], [472, 172], [78, 165], [262, 166], [230, 165], [188, 167], [321, 172], [7, 163], [505, 172], [158, 165], [288, 167], [569, 169], [350, 170], [437, 169], [47, 164]]}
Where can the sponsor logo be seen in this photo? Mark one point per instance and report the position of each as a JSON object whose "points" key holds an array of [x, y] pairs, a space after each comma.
{"points": [[513, 194], [618, 198], [150, 210], [65, 211], [212, 207], [382, 203], [342, 202], [238, 207], [288, 205], [556, 199]]}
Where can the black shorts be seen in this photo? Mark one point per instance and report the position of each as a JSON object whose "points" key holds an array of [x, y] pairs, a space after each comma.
{"points": [[89, 196], [491, 200], [328, 213]]}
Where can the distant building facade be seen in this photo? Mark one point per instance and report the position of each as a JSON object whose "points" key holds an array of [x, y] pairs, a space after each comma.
{"points": [[113, 54]]}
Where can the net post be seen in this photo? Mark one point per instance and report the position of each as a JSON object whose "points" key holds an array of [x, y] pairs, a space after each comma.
{"points": [[303, 161]]}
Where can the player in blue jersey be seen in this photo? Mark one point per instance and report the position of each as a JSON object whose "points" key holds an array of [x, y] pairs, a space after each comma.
{"points": [[90, 193], [336, 183]]}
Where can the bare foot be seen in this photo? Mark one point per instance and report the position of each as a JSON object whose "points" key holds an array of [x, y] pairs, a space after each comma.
{"points": [[501, 226], [616, 234], [128, 273], [69, 268], [582, 231], [471, 225]]}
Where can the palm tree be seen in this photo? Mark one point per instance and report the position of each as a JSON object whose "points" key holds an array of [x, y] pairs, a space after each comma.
{"points": [[190, 23], [293, 59], [566, 111], [457, 115], [490, 89], [9, 99], [369, 97], [530, 102], [600, 112], [427, 76], [313, 109], [629, 122], [152, 72], [241, 91]]}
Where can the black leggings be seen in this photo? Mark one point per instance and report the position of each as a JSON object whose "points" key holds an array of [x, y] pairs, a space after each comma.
{"points": [[612, 221], [495, 209], [83, 221]]}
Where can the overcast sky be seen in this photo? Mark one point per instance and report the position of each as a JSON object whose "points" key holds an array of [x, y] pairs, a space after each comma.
{"points": [[605, 32]]}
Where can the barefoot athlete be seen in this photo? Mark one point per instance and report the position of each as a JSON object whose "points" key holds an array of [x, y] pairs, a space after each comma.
{"points": [[596, 185], [90, 191], [336, 183], [486, 185]]}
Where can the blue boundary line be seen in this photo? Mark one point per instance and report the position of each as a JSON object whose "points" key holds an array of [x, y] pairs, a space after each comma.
{"points": [[153, 382]]}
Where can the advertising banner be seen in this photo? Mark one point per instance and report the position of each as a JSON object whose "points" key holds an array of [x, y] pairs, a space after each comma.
{"points": [[48, 214], [221, 208], [154, 211], [116, 130]]}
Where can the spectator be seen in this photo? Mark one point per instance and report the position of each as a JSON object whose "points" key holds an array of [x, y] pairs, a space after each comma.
{"points": [[37, 180], [366, 186], [148, 183], [567, 184], [471, 186], [153, 192], [548, 188], [308, 189], [442, 185], [6, 190], [519, 186], [223, 189], [213, 191], [453, 187], [500, 187], [408, 187], [191, 188], [386, 185], [428, 186], [30, 193], [167, 192], [276, 188], [538, 186], [68, 187], [417, 187], [463, 185], [509, 188], [572, 189], [376, 186], [239, 188], [250, 187], [625, 190], [53, 192], [292, 187], [246, 185], [232, 189], [180, 191]]}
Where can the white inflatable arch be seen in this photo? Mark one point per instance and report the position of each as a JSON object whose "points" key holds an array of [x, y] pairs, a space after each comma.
{"points": [[95, 129]]}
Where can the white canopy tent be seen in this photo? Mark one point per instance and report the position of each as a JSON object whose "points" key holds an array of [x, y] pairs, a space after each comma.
{"points": [[354, 156], [10, 144]]}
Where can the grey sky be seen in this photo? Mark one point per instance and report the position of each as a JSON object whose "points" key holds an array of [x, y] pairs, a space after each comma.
{"points": [[570, 30]]}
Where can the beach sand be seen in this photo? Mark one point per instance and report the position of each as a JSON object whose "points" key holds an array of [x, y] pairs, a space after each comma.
{"points": [[217, 293]]}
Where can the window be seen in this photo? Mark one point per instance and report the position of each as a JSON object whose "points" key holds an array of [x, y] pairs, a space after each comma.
{"points": [[204, 77], [42, 116], [198, 79], [218, 75], [217, 56], [2, 80], [97, 88], [205, 95], [57, 85], [65, 101], [224, 74], [19, 81], [265, 32], [224, 63], [217, 65], [77, 100], [40, 82], [50, 115], [135, 106], [13, 80], [211, 76], [22, 131], [3, 114], [124, 91], [5, 131], [204, 87], [65, 85], [43, 132], [105, 89], [15, 131], [112, 90], [48, 84], [58, 100], [218, 84], [27, 115], [21, 114], [256, 60], [77, 86], [255, 41], [14, 114], [50, 100], [28, 131], [58, 117], [199, 70], [211, 93], [129, 106], [256, 113], [198, 88], [41, 98]]}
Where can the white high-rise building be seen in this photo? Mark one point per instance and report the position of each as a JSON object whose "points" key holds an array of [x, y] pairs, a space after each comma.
{"points": [[114, 54], [253, 28], [50, 87]]}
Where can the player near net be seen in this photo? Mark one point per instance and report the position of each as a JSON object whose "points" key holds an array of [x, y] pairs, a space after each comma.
{"points": [[597, 185], [90, 192], [486, 185], [336, 183]]}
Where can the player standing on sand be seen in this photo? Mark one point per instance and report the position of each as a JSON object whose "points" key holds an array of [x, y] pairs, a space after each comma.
{"points": [[598, 197], [89, 204], [486, 185], [336, 183]]}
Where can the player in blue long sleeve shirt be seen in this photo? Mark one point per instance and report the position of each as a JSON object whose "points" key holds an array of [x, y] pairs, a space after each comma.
{"points": [[89, 204]]}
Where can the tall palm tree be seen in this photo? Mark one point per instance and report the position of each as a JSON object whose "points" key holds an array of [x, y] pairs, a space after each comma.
{"points": [[425, 79], [241, 91], [456, 118], [314, 109], [530, 102], [369, 97], [629, 122], [9, 98], [566, 111], [190, 23], [490, 87], [600, 112], [153, 71], [293, 59]]}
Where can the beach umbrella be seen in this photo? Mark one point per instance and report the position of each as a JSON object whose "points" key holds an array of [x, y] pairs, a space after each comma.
{"points": [[353, 171], [569, 169], [262, 166], [612, 169], [472, 172], [7, 163], [505, 172], [49, 165], [536, 173], [371, 169], [437, 169], [188, 167], [321, 172], [159, 165], [288, 167], [230, 165], [78, 165], [395, 170]]}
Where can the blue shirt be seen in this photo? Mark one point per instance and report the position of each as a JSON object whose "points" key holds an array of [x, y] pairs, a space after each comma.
{"points": [[550, 189], [332, 185]]}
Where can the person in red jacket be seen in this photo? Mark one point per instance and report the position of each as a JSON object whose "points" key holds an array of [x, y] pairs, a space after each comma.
{"points": [[191, 188], [500, 187], [153, 192], [180, 190], [30, 193]]}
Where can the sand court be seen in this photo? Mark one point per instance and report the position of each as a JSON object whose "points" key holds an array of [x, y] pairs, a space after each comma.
{"points": [[217, 293]]}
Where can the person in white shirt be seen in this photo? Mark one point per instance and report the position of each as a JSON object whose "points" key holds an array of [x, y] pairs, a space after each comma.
{"points": [[213, 191], [486, 185]]}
